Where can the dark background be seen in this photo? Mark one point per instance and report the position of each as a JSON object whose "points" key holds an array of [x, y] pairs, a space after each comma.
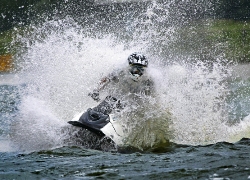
{"points": [[14, 12]]}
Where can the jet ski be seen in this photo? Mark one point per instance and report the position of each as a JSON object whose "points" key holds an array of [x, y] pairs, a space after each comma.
{"points": [[100, 119]]}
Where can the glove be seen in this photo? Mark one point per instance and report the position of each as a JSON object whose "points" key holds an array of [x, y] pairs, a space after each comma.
{"points": [[95, 96], [120, 105]]}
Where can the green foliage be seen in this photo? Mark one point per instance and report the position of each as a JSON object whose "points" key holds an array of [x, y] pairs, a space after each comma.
{"points": [[211, 39], [235, 35], [5, 40]]}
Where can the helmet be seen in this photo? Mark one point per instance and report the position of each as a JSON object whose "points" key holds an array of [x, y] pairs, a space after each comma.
{"points": [[138, 59]]}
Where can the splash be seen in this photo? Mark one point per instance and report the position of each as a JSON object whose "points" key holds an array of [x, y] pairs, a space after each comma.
{"points": [[61, 61], [195, 96], [59, 71], [36, 127]]}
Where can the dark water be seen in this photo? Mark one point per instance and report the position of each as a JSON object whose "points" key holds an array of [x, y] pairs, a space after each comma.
{"points": [[217, 161]]}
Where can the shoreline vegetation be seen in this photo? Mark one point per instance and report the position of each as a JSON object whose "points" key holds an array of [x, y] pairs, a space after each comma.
{"points": [[6, 63], [211, 37], [6, 59]]}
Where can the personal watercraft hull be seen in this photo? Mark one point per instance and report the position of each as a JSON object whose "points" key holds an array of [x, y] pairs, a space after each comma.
{"points": [[86, 126]]}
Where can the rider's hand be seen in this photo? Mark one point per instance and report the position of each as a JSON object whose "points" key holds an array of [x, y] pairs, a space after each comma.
{"points": [[119, 105], [95, 95]]}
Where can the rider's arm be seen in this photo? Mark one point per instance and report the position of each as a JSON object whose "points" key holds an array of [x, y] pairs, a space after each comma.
{"points": [[101, 85]]}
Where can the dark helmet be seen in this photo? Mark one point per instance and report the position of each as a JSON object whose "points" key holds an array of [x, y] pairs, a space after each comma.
{"points": [[138, 59]]}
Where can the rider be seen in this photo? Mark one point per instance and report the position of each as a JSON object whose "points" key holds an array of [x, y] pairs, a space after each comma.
{"points": [[126, 86]]}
